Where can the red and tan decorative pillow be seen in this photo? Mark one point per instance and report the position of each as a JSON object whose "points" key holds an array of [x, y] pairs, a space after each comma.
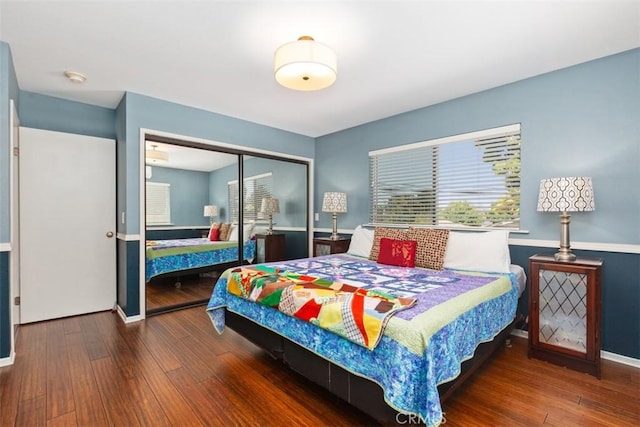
{"points": [[225, 229], [214, 234], [401, 253], [389, 233], [432, 245]]}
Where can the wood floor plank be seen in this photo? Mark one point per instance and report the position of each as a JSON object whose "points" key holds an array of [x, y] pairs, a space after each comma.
{"points": [[59, 389], [172, 402], [90, 410], [115, 394], [66, 420], [161, 349], [125, 357], [32, 412], [34, 378], [72, 325], [10, 383], [94, 343], [207, 409]]}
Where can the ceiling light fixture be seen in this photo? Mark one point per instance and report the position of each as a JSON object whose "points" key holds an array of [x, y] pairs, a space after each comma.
{"points": [[305, 65], [75, 77], [156, 157]]}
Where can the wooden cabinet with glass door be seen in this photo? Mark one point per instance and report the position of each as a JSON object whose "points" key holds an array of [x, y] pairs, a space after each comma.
{"points": [[564, 312]]}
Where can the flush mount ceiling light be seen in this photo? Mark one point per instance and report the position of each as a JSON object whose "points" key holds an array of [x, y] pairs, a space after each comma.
{"points": [[156, 157], [305, 64], [75, 77]]}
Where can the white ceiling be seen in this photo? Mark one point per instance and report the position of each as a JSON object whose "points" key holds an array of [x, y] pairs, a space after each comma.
{"points": [[393, 56]]}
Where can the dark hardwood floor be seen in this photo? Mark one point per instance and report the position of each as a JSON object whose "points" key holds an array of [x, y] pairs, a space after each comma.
{"points": [[174, 369], [162, 292]]}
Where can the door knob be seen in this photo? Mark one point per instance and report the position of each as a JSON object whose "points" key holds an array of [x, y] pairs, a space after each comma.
{"points": [[109, 234]]}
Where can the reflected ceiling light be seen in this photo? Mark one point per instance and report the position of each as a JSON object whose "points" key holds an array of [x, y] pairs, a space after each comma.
{"points": [[156, 157], [305, 65]]}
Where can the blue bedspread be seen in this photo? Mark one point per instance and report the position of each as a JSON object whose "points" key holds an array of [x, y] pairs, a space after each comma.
{"points": [[165, 256], [422, 347]]}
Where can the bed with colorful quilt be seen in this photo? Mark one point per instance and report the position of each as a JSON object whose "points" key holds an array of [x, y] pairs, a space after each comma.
{"points": [[190, 255], [386, 338]]}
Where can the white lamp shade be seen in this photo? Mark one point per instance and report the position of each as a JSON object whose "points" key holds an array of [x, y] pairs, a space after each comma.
{"points": [[567, 194], [270, 206], [210, 210], [305, 65], [334, 202]]}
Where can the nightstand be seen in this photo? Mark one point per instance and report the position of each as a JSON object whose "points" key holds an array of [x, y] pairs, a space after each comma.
{"points": [[270, 247], [564, 312], [326, 246]]}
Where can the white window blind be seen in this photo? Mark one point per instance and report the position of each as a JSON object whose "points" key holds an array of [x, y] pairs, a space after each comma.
{"points": [[256, 188], [468, 180], [158, 203]]}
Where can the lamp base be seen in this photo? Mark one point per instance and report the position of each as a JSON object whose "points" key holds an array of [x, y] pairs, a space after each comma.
{"points": [[564, 256], [270, 229], [565, 247], [334, 234]]}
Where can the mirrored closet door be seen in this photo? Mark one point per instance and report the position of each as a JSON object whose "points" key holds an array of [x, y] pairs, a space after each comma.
{"points": [[208, 210]]}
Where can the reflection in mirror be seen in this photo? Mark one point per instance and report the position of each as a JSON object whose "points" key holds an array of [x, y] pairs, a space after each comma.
{"points": [[188, 239], [194, 205], [276, 195]]}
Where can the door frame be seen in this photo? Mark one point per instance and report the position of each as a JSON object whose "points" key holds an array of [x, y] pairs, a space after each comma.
{"points": [[223, 146], [14, 221]]}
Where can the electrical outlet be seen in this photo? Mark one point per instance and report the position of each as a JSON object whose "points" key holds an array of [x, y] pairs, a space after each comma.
{"points": [[122, 219], [317, 216]]}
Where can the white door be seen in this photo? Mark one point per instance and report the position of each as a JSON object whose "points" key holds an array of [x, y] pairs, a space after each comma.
{"points": [[67, 224]]}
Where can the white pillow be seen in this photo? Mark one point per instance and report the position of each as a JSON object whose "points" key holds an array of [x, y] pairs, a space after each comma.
{"points": [[233, 233], [247, 231], [361, 242], [478, 251]]}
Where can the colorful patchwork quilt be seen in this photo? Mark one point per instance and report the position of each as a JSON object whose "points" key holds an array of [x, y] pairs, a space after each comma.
{"points": [[355, 313], [454, 311]]}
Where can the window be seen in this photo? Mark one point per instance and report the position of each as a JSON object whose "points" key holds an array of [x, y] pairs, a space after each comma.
{"points": [[468, 180], [158, 203], [255, 189]]}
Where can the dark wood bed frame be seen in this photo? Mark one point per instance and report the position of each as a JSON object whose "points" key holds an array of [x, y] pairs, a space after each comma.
{"points": [[360, 392]]}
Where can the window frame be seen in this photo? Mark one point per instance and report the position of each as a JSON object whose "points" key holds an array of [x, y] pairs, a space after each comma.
{"points": [[393, 177], [163, 191], [232, 197]]}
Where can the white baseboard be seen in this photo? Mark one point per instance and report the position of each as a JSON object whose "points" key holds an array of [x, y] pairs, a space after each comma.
{"points": [[128, 319], [607, 355], [7, 361]]}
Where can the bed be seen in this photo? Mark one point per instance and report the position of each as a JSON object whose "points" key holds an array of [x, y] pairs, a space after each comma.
{"points": [[423, 346], [185, 256]]}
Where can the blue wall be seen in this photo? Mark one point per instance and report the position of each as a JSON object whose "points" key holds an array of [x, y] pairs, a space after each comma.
{"points": [[582, 120], [189, 194], [50, 113]]}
